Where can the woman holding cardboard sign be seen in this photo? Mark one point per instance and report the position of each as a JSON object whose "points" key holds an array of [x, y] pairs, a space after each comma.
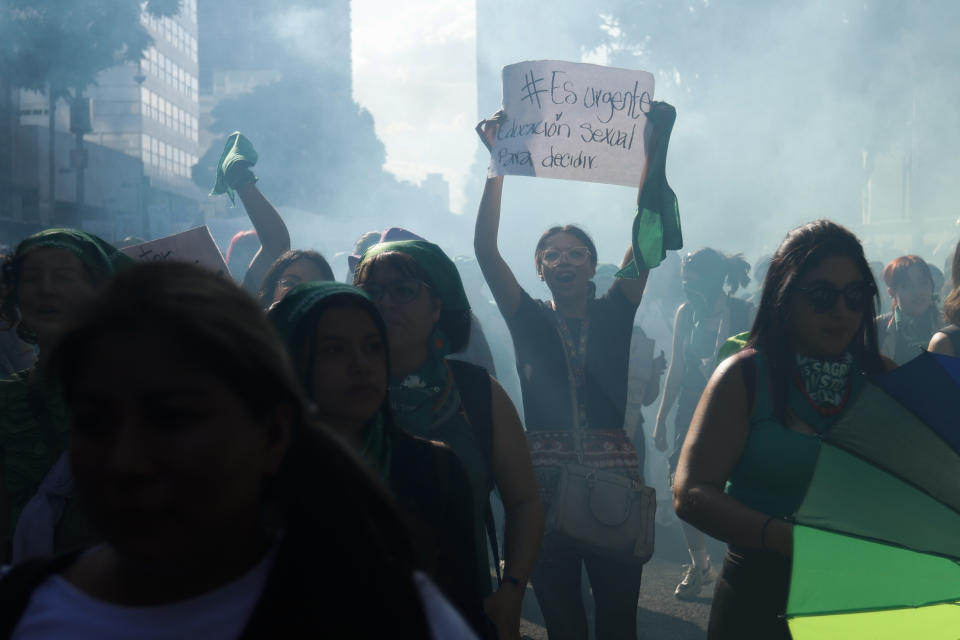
{"points": [[572, 356]]}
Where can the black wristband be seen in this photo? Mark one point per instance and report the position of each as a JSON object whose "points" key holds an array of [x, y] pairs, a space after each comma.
{"points": [[514, 581]]}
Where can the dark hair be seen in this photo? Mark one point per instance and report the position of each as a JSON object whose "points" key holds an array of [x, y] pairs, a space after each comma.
{"points": [[573, 230], [718, 268], [287, 258], [328, 500], [803, 249], [455, 325], [951, 306], [9, 306]]}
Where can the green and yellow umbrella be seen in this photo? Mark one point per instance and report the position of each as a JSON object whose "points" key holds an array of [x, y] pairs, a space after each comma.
{"points": [[877, 546]]}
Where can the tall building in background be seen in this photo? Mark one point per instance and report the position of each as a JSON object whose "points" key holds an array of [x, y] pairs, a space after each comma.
{"points": [[122, 160], [246, 48]]}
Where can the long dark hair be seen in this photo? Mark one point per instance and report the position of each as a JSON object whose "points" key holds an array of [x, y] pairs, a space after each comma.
{"points": [[951, 306], [338, 520], [272, 277], [803, 249]]}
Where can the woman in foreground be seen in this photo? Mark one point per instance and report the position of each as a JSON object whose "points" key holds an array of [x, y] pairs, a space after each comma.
{"points": [[224, 514], [753, 440]]}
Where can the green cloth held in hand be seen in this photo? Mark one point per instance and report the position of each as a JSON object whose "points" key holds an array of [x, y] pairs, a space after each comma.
{"points": [[233, 170], [656, 227]]}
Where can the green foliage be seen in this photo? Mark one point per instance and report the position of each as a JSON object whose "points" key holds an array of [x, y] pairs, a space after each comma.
{"points": [[52, 43]]}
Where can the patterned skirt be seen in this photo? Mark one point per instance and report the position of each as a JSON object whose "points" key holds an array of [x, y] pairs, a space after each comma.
{"points": [[606, 450]]}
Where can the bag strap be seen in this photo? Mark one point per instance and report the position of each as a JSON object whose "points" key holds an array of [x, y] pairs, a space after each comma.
{"points": [[748, 367], [473, 383]]}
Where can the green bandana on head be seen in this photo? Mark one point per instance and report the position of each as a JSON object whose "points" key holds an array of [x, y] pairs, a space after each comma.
{"points": [[96, 254], [287, 314], [431, 258]]}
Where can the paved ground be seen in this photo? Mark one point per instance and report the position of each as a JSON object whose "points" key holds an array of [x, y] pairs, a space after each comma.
{"points": [[661, 616]]}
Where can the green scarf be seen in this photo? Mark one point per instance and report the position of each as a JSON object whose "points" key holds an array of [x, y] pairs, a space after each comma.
{"points": [[233, 168], [426, 398], [102, 258], [377, 447], [656, 227], [914, 332], [447, 284]]}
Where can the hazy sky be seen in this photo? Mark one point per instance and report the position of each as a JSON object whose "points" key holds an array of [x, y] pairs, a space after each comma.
{"points": [[414, 68]]}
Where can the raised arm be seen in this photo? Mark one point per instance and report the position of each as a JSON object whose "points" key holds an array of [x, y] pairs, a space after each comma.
{"points": [[714, 444], [271, 230], [503, 284]]}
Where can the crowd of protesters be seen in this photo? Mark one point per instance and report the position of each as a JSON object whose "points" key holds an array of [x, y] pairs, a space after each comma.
{"points": [[290, 455]]}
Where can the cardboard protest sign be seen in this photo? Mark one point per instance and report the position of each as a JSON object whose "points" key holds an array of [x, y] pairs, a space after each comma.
{"points": [[196, 246], [573, 121]]}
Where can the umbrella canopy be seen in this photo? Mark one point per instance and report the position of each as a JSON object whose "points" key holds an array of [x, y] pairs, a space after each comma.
{"points": [[879, 553]]}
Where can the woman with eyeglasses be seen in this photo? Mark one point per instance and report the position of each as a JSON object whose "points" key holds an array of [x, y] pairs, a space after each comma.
{"points": [[905, 331], [753, 440], [572, 356], [709, 316], [292, 268], [418, 291]]}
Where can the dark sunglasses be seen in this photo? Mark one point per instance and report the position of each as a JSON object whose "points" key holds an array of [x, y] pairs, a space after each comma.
{"points": [[400, 291], [823, 297]]}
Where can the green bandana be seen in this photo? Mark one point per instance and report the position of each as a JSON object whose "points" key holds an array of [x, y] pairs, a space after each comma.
{"points": [[287, 314], [656, 227], [426, 398], [95, 253], [377, 447], [233, 168], [443, 272]]}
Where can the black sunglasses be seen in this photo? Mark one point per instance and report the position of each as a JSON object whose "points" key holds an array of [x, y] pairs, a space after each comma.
{"points": [[823, 296], [401, 291]]}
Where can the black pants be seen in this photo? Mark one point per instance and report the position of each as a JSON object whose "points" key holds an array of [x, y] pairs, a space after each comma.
{"points": [[750, 598], [556, 581]]}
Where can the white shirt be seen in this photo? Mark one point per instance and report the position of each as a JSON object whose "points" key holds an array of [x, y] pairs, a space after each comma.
{"points": [[59, 610]]}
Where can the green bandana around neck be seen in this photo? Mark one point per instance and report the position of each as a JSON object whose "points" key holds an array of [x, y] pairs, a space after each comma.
{"points": [[95, 253], [426, 398], [377, 449], [443, 272]]}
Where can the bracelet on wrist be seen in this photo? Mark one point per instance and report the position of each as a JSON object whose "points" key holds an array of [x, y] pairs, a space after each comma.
{"points": [[515, 582]]}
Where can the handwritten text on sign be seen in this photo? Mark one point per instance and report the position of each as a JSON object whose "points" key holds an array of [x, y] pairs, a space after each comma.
{"points": [[196, 246], [573, 121]]}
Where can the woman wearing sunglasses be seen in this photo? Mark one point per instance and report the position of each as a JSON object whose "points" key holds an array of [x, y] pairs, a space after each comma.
{"points": [[753, 440], [418, 291], [572, 356]]}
